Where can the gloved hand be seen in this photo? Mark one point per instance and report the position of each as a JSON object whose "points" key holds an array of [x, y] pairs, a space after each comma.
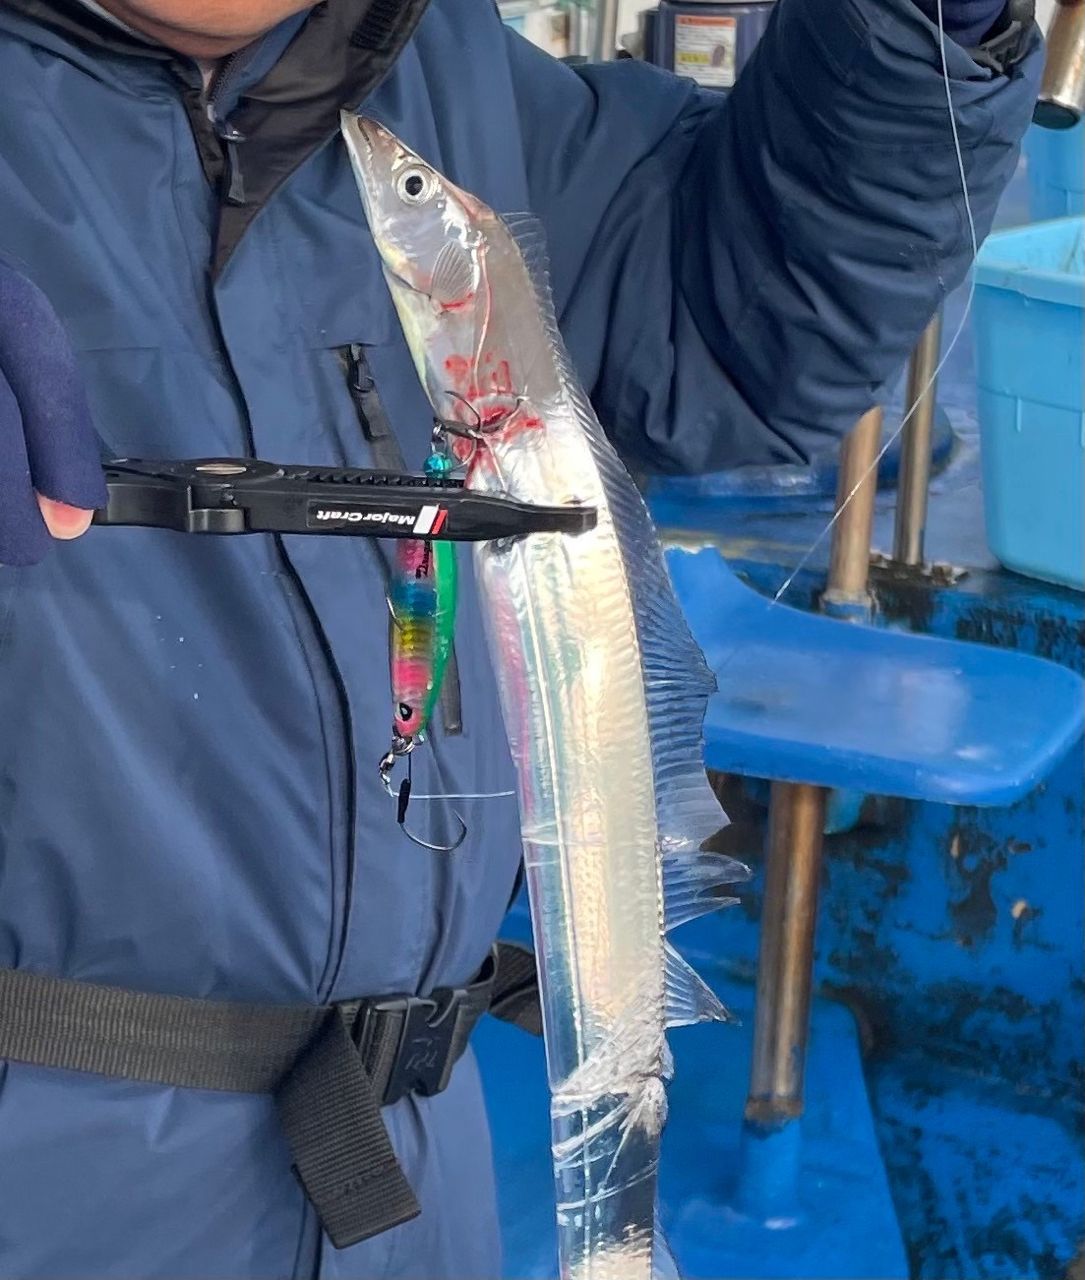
{"points": [[50, 470]]}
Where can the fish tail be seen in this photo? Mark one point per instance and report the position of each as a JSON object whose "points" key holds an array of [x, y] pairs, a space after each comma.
{"points": [[664, 1266], [606, 1162]]}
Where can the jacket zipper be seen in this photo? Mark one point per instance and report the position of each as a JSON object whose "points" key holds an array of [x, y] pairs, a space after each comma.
{"points": [[229, 136], [388, 456], [297, 595], [232, 191], [218, 145]]}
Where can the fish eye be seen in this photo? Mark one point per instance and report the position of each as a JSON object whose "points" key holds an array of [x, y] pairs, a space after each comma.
{"points": [[415, 185]]}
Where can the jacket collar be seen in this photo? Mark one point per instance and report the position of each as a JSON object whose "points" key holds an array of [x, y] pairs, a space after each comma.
{"points": [[333, 58]]}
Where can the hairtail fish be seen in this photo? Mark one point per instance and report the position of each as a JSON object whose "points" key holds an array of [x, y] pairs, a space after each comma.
{"points": [[603, 692]]}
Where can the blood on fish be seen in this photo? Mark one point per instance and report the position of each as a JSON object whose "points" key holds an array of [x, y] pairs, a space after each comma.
{"points": [[458, 369], [499, 377], [494, 375]]}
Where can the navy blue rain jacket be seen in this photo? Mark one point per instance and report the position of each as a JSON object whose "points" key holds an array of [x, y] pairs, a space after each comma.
{"points": [[190, 727]]}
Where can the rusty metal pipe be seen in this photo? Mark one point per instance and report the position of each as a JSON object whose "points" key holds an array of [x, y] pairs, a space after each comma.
{"points": [[849, 565], [1061, 103], [910, 523], [785, 970], [796, 833], [785, 967]]}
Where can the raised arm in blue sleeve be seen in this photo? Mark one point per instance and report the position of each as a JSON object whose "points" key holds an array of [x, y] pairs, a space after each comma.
{"points": [[739, 277]]}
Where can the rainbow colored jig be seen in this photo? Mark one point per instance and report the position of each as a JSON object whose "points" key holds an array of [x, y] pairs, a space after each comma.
{"points": [[422, 602], [423, 605]]}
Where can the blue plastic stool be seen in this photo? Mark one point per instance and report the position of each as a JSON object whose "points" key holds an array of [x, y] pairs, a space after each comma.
{"points": [[804, 698]]}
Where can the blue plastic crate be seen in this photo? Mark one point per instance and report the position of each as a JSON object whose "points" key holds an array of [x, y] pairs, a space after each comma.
{"points": [[1029, 313], [1056, 171]]}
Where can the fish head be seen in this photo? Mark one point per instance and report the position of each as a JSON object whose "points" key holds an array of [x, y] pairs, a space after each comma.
{"points": [[425, 228]]}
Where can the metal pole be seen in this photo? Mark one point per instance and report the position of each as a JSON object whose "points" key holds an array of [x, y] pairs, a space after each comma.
{"points": [[606, 30], [1062, 89], [771, 1144], [580, 31], [849, 565], [910, 523], [796, 827], [785, 966]]}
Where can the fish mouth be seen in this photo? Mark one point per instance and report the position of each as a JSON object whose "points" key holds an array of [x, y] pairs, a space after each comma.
{"points": [[355, 127], [373, 135], [365, 132], [361, 141]]}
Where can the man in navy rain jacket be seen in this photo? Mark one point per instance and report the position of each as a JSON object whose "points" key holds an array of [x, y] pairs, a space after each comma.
{"points": [[189, 800]]}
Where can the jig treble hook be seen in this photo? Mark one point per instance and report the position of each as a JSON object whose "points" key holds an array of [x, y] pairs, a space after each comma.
{"points": [[443, 428], [459, 427]]}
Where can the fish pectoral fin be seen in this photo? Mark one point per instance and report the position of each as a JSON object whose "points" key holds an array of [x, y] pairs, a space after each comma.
{"points": [[692, 883], [453, 275], [689, 999]]}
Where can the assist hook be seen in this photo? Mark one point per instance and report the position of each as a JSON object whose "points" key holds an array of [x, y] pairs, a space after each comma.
{"points": [[403, 748]]}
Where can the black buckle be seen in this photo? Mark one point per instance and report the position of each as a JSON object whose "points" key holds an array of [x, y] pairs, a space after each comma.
{"points": [[1004, 50], [422, 1054]]}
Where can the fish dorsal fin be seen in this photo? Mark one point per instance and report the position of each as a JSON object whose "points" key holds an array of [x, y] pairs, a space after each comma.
{"points": [[677, 680], [692, 884], [689, 998]]}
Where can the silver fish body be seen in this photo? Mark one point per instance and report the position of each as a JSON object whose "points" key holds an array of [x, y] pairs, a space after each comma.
{"points": [[602, 692]]}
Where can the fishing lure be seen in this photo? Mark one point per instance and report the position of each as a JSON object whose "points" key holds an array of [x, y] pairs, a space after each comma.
{"points": [[423, 606], [422, 603]]}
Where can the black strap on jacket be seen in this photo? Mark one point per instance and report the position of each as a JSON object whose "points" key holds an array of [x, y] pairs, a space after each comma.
{"points": [[331, 1068], [1009, 40]]}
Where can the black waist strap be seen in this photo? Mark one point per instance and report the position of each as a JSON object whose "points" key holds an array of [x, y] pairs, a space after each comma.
{"points": [[331, 1068]]}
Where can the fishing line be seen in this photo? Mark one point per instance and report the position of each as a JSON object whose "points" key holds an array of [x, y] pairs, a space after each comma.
{"points": [[808, 554], [465, 795]]}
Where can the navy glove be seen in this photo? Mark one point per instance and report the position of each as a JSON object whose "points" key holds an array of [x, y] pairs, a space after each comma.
{"points": [[50, 468]]}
